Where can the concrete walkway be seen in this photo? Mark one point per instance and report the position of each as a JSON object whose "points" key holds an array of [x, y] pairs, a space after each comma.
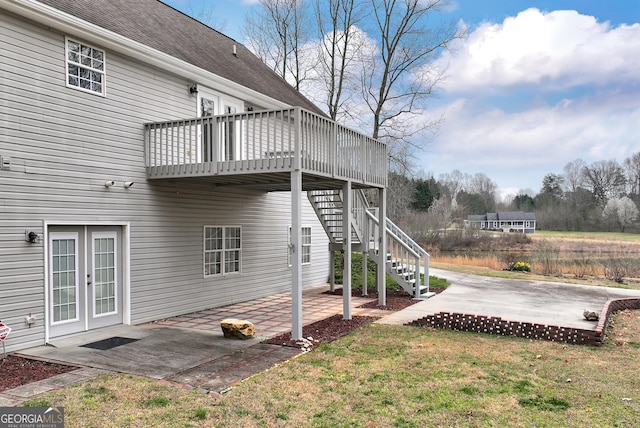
{"points": [[188, 349], [550, 303]]}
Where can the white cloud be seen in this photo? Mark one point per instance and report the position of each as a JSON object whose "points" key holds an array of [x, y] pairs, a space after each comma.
{"points": [[527, 96], [516, 149], [561, 49]]}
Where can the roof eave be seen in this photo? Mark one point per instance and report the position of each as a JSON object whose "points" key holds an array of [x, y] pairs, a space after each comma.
{"points": [[70, 24]]}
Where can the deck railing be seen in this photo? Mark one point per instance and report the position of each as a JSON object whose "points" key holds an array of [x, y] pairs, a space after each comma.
{"points": [[263, 141]]}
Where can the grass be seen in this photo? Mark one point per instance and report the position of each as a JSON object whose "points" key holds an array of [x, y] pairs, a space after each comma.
{"points": [[605, 236], [396, 376], [576, 257]]}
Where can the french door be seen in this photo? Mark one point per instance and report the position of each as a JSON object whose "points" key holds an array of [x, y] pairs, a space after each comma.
{"points": [[228, 135], [85, 278]]}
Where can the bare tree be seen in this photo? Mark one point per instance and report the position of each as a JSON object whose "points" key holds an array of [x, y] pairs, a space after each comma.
{"points": [[605, 180], [339, 51], [277, 33], [622, 211], [401, 75], [573, 176], [399, 196], [482, 185], [632, 168], [205, 13], [452, 183]]}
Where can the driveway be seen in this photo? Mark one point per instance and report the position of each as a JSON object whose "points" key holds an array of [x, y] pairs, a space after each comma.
{"points": [[550, 303]]}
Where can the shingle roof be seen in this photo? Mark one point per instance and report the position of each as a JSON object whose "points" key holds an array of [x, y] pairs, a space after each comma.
{"points": [[168, 30], [505, 215]]}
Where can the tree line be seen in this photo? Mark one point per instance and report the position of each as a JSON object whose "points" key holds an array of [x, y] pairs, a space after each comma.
{"points": [[601, 196]]}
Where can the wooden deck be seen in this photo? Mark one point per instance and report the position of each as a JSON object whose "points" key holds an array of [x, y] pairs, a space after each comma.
{"points": [[260, 149]]}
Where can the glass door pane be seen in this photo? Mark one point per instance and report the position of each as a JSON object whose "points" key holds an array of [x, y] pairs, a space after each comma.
{"points": [[104, 275], [64, 280]]}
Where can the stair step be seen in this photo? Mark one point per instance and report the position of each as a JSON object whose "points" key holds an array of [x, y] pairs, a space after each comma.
{"points": [[426, 295]]}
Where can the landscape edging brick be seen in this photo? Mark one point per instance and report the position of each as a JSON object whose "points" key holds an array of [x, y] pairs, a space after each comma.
{"points": [[498, 326]]}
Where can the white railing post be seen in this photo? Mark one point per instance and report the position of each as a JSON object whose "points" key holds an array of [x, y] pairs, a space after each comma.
{"points": [[363, 158], [214, 125], [147, 148], [346, 245], [382, 247], [297, 135], [333, 148]]}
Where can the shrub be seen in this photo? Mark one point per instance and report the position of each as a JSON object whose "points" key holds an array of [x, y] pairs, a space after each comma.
{"points": [[520, 266], [356, 274], [547, 255]]}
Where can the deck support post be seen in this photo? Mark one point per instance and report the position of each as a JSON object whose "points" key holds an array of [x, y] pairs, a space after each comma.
{"points": [[364, 273], [295, 247], [347, 202], [332, 270], [382, 247]]}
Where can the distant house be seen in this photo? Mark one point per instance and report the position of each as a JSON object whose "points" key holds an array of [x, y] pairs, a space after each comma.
{"points": [[509, 221]]}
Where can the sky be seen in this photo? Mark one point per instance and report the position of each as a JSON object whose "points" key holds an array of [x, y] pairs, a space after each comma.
{"points": [[535, 85]]}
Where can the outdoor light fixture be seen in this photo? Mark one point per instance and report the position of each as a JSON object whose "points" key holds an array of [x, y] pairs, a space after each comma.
{"points": [[128, 184], [109, 183], [30, 236], [193, 88]]}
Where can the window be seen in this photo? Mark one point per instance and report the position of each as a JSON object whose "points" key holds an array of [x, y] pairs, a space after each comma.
{"points": [[222, 250], [306, 245], [85, 67]]}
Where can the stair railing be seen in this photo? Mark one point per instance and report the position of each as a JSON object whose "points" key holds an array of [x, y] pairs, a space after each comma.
{"points": [[403, 250], [324, 200]]}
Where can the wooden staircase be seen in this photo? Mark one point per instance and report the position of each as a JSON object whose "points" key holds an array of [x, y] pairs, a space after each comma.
{"points": [[404, 259]]}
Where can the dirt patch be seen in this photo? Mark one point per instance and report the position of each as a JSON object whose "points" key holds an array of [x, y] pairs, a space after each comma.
{"points": [[16, 371]]}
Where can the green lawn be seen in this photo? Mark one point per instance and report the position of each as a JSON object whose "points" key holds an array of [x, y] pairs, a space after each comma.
{"points": [[391, 376]]}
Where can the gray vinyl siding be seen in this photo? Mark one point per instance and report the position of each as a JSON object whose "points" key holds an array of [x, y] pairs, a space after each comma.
{"points": [[64, 144]]}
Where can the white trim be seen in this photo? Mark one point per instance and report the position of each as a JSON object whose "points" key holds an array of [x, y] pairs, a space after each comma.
{"points": [[302, 245], [103, 72], [49, 290], [126, 268], [223, 272], [107, 235], [92, 33]]}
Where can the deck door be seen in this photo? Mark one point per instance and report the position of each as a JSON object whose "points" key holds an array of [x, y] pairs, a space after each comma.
{"points": [[85, 279], [228, 134]]}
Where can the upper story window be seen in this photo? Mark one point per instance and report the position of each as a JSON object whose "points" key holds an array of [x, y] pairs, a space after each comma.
{"points": [[85, 67]]}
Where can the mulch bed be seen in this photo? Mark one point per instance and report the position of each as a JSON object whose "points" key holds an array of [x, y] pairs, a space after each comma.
{"points": [[322, 331], [16, 371], [334, 327], [396, 299]]}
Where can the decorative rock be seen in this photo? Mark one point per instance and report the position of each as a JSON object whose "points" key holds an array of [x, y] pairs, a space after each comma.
{"points": [[237, 329], [591, 315]]}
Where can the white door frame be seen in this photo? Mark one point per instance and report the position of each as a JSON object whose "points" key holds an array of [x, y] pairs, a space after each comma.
{"points": [[125, 268], [221, 102]]}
